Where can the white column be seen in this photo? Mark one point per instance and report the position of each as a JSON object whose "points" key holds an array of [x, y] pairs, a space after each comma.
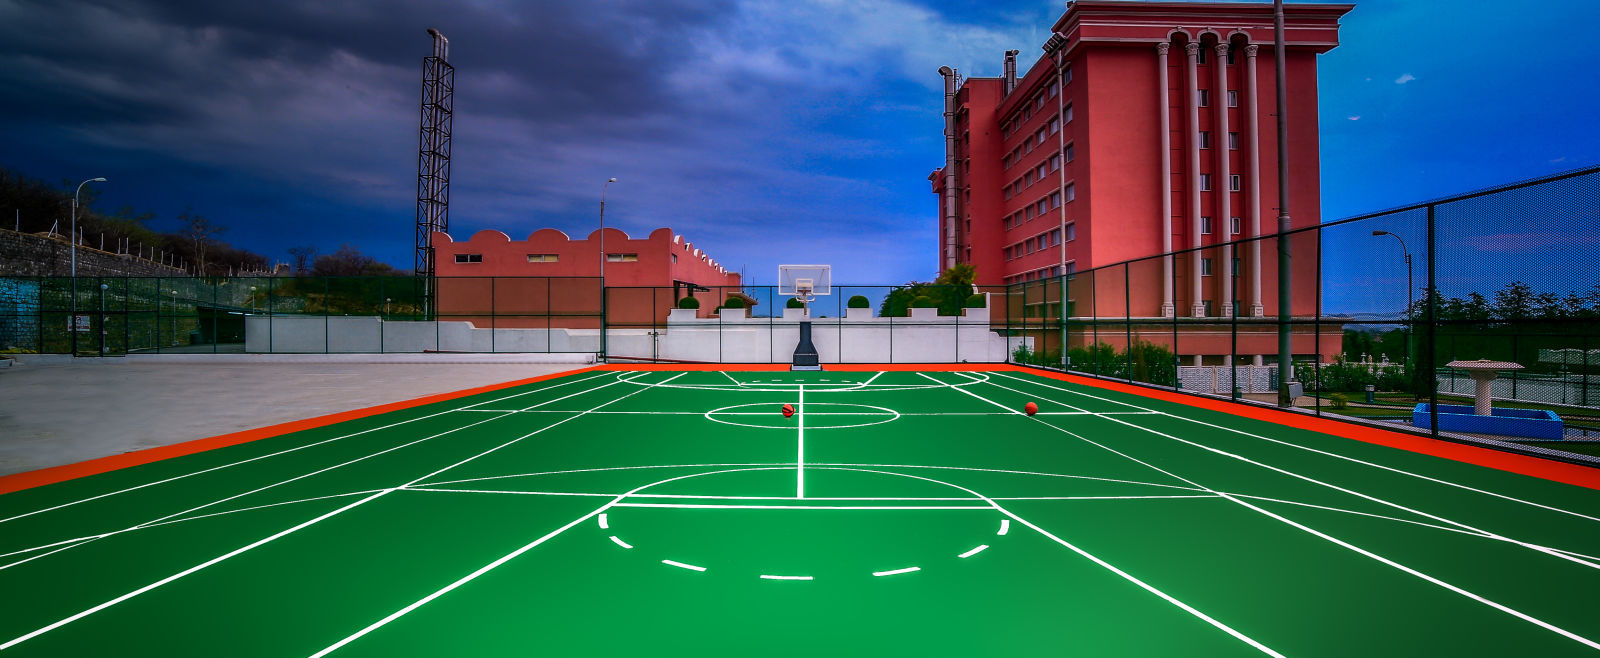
{"points": [[1252, 122], [1219, 106], [1164, 110], [1196, 308]]}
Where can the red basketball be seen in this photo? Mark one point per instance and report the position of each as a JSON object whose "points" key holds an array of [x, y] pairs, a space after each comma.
{"points": [[1030, 408], [788, 410]]}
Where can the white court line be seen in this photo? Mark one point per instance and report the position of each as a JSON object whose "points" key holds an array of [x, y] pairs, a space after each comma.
{"points": [[1310, 449], [870, 379], [1005, 526], [730, 378], [1353, 547], [257, 543], [882, 499], [619, 542], [1435, 517], [491, 566], [816, 413], [160, 520], [813, 507], [896, 571], [800, 449], [1503, 608], [785, 577], [673, 563], [604, 525], [23, 638], [974, 551], [309, 445]]}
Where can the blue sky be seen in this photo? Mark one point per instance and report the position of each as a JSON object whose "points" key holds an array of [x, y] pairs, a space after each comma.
{"points": [[766, 131]]}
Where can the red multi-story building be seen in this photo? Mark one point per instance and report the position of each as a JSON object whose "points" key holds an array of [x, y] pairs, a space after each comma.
{"points": [[1143, 128], [645, 277]]}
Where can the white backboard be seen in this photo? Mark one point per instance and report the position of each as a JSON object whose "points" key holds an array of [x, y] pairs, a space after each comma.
{"points": [[792, 278]]}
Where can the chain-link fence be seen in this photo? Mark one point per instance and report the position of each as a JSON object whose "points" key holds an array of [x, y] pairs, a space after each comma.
{"points": [[1381, 306]]}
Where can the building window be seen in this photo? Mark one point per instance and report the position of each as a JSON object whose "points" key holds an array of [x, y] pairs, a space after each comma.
{"points": [[1005, 162], [1233, 225], [1038, 101], [1233, 182], [1055, 162], [1055, 125], [1042, 134], [1055, 199], [469, 258], [1205, 270], [1230, 55], [674, 259], [1205, 139], [1027, 213], [1233, 94], [1054, 88], [1005, 129], [1205, 182], [622, 258], [1066, 115], [1072, 231], [1205, 226], [1208, 310], [1069, 153], [1233, 141], [1043, 241], [1027, 112], [1203, 55], [1205, 94], [1044, 206], [1072, 192], [1039, 173], [1072, 267], [1055, 237], [543, 258]]}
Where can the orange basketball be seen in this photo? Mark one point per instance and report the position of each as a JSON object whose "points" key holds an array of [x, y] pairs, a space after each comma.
{"points": [[788, 410], [1030, 408]]}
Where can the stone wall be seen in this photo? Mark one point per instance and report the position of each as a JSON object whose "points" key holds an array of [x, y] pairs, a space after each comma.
{"points": [[25, 254]]}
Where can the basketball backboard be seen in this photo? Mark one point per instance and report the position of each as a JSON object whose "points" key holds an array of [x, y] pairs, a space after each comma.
{"points": [[805, 280]]}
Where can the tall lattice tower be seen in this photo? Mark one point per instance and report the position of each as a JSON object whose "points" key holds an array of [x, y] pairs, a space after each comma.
{"points": [[433, 158]]}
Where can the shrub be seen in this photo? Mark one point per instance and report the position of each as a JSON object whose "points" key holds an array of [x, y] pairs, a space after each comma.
{"points": [[688, 302], [923, 301], [733, 302], [858, 301], [1339, 400], [794, 303], [975, 301]]}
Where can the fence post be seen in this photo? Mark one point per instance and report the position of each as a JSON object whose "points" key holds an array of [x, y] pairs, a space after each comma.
{"points": [[1433, 328], [1127, 318]]}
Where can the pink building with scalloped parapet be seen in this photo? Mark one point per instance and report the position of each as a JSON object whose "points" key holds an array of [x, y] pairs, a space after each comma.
{"points": [[493, 280]]}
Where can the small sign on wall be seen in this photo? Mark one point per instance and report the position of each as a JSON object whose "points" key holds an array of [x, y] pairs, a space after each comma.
{"points": [[80, 323]]}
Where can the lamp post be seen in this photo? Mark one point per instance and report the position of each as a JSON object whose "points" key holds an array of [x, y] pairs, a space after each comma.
{"points": [[72, 249], [603, 230], [1410, 305], [174, 318]]}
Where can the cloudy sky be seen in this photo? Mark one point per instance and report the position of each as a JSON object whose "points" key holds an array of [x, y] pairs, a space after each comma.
{"points": [[766, 131]]}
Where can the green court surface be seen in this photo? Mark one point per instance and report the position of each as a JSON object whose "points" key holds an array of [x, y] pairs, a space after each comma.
{"points": [[662, 513]]}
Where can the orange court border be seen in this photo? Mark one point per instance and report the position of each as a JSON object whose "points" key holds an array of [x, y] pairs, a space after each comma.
{"points": [[1563, 472]]}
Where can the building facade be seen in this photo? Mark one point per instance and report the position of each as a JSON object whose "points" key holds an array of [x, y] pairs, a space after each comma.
{"points": [[1143, 128], [644, 277]]}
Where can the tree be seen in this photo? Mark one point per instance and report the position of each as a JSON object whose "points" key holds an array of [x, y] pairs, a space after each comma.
{"points": [[1515, 302], [347, 261], [304, 256], [201, 231], [949, 291]]}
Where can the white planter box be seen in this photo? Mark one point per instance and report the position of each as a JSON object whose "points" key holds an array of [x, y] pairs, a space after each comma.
{"points": [[682, 314], [795, 314], [858, 314], [924, 313], [734, 313]]}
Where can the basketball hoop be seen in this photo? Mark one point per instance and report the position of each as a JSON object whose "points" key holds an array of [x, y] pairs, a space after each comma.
{"points": [[804, 282]]}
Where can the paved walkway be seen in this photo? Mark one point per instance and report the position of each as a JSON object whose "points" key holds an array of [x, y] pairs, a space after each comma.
{"points": [[61, 411]]}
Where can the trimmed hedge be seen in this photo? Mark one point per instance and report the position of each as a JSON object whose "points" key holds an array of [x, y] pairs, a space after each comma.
{"points": [[688, 302], [975, 301], [858, 301], [733, 302], [794, 303], [923, 301]]}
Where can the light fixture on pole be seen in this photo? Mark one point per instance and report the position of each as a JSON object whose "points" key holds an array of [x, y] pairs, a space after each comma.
{"points": [[603, 230], [72, 249], [1410, 305]]}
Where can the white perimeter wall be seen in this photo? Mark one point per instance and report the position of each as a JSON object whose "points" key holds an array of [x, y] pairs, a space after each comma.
{"points": [[925, 337]]}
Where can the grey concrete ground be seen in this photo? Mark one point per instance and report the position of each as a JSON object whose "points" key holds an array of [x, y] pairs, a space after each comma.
{"points": [[61, 411]]}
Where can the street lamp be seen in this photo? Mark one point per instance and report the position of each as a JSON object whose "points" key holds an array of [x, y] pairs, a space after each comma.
{"points": [[1411, 315], [174, 318], [72, 248], [603, 230]]}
